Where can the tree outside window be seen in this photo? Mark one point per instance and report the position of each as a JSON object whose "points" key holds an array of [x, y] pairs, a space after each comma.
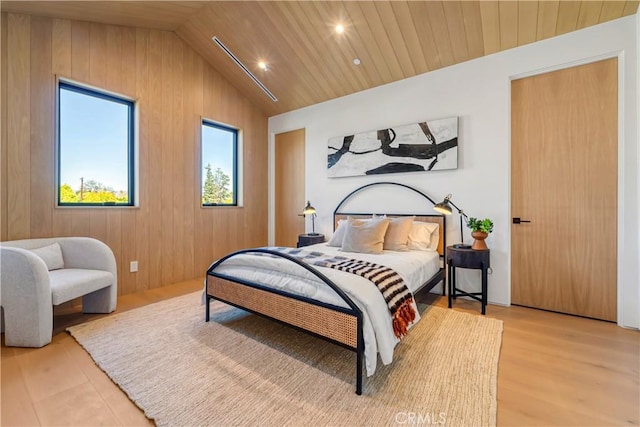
{"points": [[216, 189]]}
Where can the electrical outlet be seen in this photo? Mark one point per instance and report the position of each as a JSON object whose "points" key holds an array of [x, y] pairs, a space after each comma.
{"points": [[133, 266]]}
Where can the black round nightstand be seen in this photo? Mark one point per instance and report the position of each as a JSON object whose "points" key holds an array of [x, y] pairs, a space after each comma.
{"points": [[310, 239], [468, 258]]}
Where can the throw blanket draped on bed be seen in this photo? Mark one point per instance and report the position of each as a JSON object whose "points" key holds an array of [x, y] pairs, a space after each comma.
{"points": [[398, 297]]}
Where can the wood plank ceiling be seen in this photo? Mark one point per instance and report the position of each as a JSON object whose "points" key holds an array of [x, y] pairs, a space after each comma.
{"points": [[309, 63]]}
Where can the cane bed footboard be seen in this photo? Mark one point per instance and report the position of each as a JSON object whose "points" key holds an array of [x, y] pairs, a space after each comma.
{"points": [[337, 326]]}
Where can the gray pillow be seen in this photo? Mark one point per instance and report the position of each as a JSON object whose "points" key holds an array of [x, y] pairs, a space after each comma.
{"points": [[51, 255]]}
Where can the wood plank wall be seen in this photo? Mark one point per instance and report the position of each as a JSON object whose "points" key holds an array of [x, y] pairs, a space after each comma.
{"points": [[170, 235]]}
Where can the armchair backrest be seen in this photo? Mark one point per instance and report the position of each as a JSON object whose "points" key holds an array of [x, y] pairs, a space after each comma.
{"points": [[77, 252]]}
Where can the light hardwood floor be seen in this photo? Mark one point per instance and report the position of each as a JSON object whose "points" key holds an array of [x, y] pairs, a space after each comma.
{"points": [[554, 370]]}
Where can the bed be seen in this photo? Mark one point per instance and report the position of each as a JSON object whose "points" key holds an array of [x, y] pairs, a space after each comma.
{"points": [[331, 304]]}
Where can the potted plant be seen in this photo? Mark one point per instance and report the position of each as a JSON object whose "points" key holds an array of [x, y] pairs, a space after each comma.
{"points": [[480, 229]]}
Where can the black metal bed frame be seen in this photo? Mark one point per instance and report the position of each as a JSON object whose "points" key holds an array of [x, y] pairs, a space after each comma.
{"points": [[353, 309]]}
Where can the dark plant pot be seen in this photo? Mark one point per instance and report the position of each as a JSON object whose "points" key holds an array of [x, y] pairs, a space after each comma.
{"points": [[478, 242]]}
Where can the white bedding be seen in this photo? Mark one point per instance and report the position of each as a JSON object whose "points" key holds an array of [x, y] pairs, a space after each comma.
{"points": [[415, 267]]}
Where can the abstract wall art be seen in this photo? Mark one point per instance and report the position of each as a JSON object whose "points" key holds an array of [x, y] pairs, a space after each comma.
{"points": [[420, 147]]}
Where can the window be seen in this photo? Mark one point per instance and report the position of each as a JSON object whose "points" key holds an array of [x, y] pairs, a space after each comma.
{"points": [[219, 165], [95, 148]]}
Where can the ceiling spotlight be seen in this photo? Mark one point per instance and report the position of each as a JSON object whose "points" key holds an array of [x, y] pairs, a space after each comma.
{"points": [[339, 29], [356, 61], [262, 65]]}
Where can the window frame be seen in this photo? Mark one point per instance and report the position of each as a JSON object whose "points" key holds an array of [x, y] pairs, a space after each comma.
{"points": [[131, 141], [236, 166]]}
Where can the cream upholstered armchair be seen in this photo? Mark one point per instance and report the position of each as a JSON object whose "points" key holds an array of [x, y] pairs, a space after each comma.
{"points": [[37, 274]]}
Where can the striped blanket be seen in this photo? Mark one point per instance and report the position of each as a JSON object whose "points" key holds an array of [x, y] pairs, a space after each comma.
{"points": [[398, 297]]}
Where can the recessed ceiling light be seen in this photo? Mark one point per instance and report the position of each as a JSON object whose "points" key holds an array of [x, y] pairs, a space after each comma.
{"points": [[356, 61], [262, 65], [339, 29]]}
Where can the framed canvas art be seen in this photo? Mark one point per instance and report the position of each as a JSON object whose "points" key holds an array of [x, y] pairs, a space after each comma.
{"points": [[420, 147]]}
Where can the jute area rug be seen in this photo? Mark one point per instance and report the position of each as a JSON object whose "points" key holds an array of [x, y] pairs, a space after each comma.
{"points": [[242, 369]]}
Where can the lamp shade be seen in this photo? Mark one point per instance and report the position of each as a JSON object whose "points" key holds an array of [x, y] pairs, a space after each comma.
{"points": [[443, 207], [308, 210]]}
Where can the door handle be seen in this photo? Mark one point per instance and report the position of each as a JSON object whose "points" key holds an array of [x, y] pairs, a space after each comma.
{"points": [[517, 220]]}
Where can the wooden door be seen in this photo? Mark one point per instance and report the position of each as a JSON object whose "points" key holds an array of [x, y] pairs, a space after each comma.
{"points": [[289, 193], [564, 150]]}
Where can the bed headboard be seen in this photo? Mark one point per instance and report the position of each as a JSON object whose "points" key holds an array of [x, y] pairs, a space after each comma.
{"points": [[420, 214]]}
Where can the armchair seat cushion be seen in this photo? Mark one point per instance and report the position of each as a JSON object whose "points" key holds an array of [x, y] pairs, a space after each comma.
{"points": [[70, 283]]}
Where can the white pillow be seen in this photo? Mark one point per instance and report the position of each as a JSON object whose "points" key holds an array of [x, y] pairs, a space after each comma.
{"points": [[51, 255], [435, 238], [424, 236], [365, 237], [338, 235]]}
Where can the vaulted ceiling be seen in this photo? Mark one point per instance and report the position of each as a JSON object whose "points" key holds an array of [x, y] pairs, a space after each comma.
{"points": [[308, 62]]}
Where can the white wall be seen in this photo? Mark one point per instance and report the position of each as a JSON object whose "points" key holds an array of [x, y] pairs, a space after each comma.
{"points": [[638, 142], [478, 92]]}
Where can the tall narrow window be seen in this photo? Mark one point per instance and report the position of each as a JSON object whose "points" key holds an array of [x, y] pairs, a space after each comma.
{"points": [[219, 165], [95, 148]]}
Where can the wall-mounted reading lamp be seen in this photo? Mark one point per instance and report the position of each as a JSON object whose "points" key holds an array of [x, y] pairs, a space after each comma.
{"points": [[310, 210], [444, 207]]}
